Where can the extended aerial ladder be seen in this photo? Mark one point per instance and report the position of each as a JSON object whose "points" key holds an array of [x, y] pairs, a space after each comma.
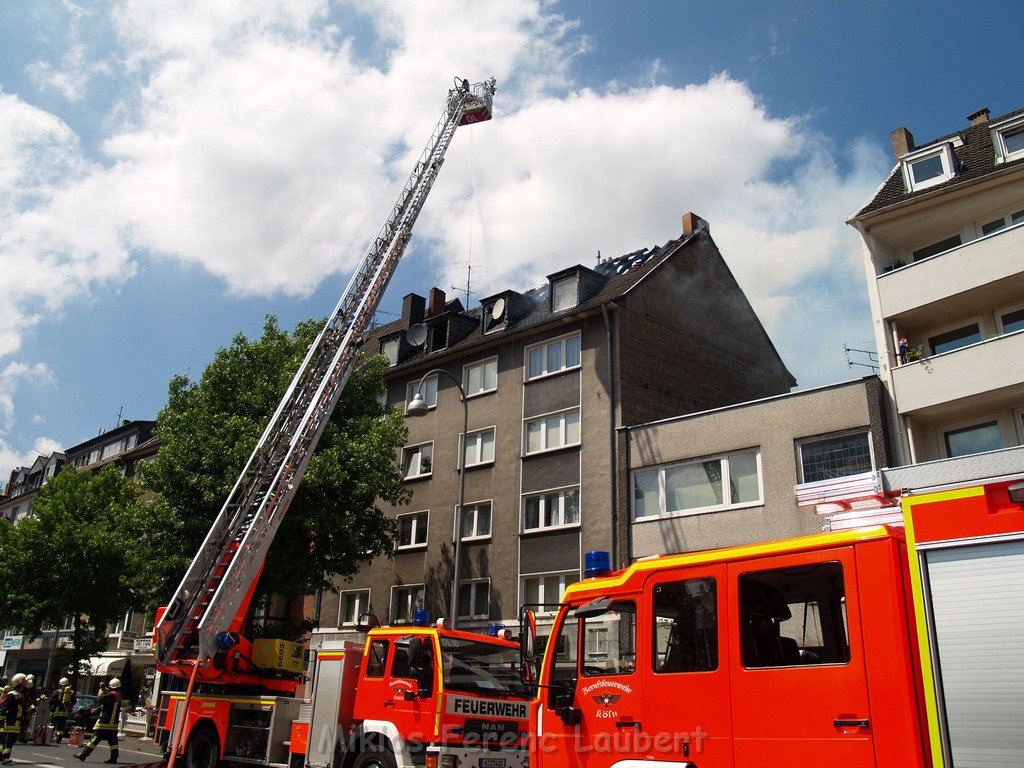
{"points": [[198, 634]]}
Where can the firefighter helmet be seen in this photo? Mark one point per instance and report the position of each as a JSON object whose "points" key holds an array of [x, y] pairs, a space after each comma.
{"points": [[18, 679], [114, 682], [64, 681]]}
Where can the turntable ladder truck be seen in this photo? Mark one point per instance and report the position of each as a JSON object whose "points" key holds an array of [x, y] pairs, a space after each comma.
{"points": [[238, 702]]}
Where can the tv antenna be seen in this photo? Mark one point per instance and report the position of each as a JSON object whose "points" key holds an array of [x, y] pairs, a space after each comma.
{"points": [[871, 357]]}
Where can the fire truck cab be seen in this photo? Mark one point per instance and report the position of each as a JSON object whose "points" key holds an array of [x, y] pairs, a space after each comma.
{"points": [[792, 653]]}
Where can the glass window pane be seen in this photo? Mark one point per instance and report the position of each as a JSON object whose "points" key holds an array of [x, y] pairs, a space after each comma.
{"points": [[1014, 140], [491, 375], [926, 168], [551, 509], [405, 531], [483, 520], [572, 428], [833, 457], [572, 351], [976, 439], [553, 428], [536, 366], [571, 509], [1013, 321], [686, 626], [645, 494], [611, 641], [563, 294], [487, 446], [993, 226], [743, 480], [531, 512], [534, 434], [531, 591], [961, 337], [475, 379], [554, 351], [693, 486]]}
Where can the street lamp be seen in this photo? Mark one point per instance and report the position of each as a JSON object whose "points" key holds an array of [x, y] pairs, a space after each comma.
{"points": [[418, 407]]}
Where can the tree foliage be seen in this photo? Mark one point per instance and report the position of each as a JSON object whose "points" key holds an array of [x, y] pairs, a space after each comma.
{"points": [[209, 428], [91, 551]]}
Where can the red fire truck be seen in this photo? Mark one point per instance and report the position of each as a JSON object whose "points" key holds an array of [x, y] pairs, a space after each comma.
{"points": [[410, 696], [881, 646]]}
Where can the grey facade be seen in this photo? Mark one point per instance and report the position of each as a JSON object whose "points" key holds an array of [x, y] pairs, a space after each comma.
{"points": [[644, 336]]}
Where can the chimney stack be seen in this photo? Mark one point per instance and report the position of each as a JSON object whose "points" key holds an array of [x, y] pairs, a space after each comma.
{"points": [[435, 305], [980, 117], [412, 310], [692, 222], [902, 142]]}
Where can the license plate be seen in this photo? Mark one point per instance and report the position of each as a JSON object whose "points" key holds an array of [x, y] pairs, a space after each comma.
{"points": [[492, 762]]}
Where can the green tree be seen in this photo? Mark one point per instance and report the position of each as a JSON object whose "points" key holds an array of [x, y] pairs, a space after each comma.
{"points": [[90, 551], [209, 428]]}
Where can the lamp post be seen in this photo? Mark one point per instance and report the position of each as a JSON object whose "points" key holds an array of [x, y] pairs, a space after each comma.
{"points": [[418, 407]]}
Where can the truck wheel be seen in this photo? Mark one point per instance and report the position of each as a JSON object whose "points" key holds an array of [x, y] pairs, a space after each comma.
{"points": [[374, 757], [203, 750]]}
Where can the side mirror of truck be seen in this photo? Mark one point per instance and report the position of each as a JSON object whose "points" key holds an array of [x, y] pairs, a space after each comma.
{"points": [[529, 662]]}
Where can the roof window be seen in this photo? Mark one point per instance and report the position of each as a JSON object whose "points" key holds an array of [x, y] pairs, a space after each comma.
{"points": [[1008, 139], [928, 167]]}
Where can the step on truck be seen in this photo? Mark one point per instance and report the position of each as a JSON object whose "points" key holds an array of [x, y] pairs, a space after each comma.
{"points": [[887, 647]]}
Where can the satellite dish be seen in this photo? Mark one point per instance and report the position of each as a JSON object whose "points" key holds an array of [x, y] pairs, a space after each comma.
{"points": [[416, 335], [498, 309]]}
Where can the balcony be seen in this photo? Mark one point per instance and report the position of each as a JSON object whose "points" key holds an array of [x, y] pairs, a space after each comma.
{"points": [[990, 368], [971, 266]]}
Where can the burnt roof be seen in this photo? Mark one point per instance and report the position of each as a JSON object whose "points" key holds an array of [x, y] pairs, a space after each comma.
{"points": [[977, 158]]}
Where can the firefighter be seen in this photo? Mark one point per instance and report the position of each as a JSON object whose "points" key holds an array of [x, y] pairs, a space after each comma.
{"points": [[107, 723], [60, 706], [11, 708], [28, 708]]}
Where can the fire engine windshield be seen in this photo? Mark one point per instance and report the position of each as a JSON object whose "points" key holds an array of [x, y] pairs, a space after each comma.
{"points": [[480, 667]]}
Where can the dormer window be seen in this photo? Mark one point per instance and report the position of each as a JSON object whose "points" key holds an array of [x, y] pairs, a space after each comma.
{"points": [[928, 167], [564, 294], [389, 348], [1008, 139]]}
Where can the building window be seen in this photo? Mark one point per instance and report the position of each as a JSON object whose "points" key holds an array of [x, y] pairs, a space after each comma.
{"points": [[475, 599], [936, 248], [427, 390], [376, 658], [545, 591], [481, 377], [476, 521], [563, 294], [111, 449], [389, 349], [412, 530], [836, 456], [551, 432], [955, 339], [928, 167], [552, 357], [351, 605], [1008, 139], [698, 486], [405, 601], [685, 629], [479, 448], [977, 438], [94, 455], [1002, 223], [610, 641], [417, 460], [1012, 321], [553, 509]]}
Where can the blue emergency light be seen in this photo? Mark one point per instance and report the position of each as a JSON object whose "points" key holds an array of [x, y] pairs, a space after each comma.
{"points": [[421, 617], [597, 563], [495, 630]]}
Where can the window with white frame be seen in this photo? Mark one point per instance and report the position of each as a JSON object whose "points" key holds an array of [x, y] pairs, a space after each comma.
{"points": [[564, 294], [1011, 320], [1008, 139], [418, 460], [478, 448], [936, 248], [555, 431], [551, 509], [389, 349], [552, 356], [928, 167], [825, 458], [352, 603], [412, 530], [481, 377], [707, 485], [1002, 222], [476, 521], [954, 339], [546, 589], [405, 601], [976, 438], [427, 390], [475, 599]]}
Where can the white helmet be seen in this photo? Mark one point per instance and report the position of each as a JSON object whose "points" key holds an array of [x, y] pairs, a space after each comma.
{"points": [[18, 679], [114, 682], [64, 681]]}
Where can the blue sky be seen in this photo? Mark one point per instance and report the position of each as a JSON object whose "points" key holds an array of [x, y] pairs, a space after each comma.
{"points": [[172, 172]]}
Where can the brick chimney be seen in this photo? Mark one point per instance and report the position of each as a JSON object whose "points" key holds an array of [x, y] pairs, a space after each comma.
{"points": [[435, 305], [902, 142], [692, 222], [412, 310], [980, 117]]}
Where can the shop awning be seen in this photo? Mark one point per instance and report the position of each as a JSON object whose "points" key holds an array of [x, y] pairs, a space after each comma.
{"points": [[105, 666]]}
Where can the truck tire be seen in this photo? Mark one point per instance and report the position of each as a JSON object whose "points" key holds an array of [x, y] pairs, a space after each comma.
{"points": [[374, 757], [203, 749]]}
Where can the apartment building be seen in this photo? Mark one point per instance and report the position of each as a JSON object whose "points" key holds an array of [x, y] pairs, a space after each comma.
{"points": [[549, 375], [944, 256]]}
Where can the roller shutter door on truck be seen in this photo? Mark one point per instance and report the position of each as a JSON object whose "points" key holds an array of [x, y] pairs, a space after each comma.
{"points": [[977, 597]]}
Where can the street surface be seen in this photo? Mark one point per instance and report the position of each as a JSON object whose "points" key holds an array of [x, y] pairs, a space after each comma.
{"points": [[63, 755]]}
